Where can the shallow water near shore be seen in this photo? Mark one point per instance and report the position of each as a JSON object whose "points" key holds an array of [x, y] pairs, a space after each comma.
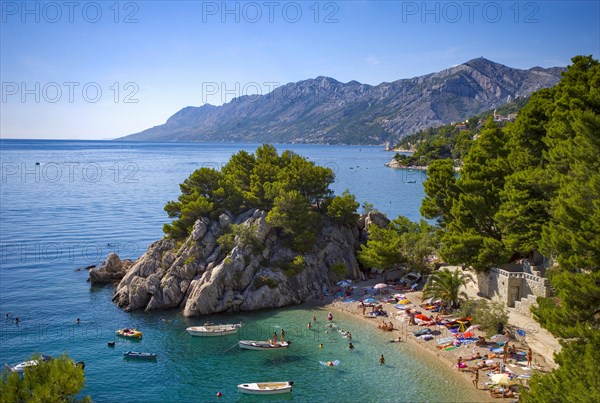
{"points": [[87, 199]]}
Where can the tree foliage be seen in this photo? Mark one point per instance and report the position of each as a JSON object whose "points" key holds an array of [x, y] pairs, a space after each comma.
{"points": [[56, 380], [536, 187], [343, 208], [446, 285], [574, 316], [402, 242], [264, 180], [533, 186]]}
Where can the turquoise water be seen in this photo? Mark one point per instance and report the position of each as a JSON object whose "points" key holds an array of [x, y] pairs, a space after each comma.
{"points": [[86, 199]]}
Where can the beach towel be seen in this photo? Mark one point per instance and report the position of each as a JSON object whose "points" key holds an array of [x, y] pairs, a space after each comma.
{"points": [[445, 340]]}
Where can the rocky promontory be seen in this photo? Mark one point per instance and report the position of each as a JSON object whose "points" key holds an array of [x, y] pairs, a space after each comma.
{"points": [[201, 276]]}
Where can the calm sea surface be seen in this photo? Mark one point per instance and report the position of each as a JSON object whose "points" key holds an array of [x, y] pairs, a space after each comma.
{"points": [[65, 205]]}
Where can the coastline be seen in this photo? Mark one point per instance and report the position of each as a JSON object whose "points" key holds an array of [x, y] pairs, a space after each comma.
{"points": [[420, 349], [426, 350]]}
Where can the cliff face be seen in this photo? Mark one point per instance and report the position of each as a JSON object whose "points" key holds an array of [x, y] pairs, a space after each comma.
{"points": [[326, 111], [200, 278]]}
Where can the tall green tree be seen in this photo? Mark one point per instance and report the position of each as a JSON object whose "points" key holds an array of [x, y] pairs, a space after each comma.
{"points": [[472, 235], [573, 234], [57, 380], [446, 285], [440, 192]]}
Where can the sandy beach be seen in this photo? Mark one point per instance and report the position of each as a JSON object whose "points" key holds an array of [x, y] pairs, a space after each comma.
{"points": [[445, 359]]}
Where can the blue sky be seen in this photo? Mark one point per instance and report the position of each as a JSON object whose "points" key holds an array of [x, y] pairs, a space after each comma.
{"points": [[97, 70]]}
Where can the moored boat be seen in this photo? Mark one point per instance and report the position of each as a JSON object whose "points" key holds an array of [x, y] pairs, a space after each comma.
{"points": [[129, 333], [214, 330], [20, 368], [262, 345], [137, 354], [266, 388]]}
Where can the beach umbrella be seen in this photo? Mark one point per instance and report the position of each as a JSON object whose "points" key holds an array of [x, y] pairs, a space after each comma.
{"points": [[404, 301], [344, 283], [428, 300], [380, 287], [499, 338], [369, 300], [502, 379]]}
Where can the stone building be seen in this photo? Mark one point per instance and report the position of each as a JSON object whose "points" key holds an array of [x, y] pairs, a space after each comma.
{"points": [[517, 284]]}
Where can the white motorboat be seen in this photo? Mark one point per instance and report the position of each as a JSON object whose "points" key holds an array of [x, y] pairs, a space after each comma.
{"points": [[262, 345], [266, 388], [20, 368], [214, 330]]}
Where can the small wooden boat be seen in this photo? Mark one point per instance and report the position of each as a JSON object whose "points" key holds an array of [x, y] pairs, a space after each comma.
{"points": [[266, 388], [214, 330], [136, 354], [129, 333], [20, 368], [262, 345]]}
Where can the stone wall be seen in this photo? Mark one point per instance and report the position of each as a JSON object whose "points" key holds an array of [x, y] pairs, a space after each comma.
{"points": [[509, 286]]}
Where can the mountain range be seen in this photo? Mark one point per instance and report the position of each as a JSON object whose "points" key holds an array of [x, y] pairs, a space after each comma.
{"points": [[325, 111]]}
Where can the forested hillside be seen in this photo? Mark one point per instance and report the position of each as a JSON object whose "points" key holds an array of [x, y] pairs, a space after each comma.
{"points": [[535, 186]]}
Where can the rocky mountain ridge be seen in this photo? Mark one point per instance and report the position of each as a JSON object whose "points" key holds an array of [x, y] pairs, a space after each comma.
{"points": [[326, 111]]}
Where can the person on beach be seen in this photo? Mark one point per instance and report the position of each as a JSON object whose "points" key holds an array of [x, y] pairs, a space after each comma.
{"points": [[529, 357], [351, 346], [329, 317], [282, 334], [476, 379], [309, 325], [314, 318], [274, 339], [364, 308], [321, 345], [17, 320], [459, 364], [505, 353], [382, 360]]}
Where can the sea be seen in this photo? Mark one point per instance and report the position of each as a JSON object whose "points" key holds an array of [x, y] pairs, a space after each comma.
{"points": [[65, 205]]}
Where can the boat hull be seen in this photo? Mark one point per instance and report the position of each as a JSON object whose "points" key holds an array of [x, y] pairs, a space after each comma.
{"points": [[213, 330], [265, 388], [141, 356], [261, 345]]}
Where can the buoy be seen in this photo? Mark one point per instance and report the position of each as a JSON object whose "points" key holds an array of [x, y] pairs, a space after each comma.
{"points": [[219, 394]]}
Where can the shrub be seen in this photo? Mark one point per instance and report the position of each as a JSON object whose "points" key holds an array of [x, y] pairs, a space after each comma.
{"points": [[265, 280], [487, 314], [339, 269]]}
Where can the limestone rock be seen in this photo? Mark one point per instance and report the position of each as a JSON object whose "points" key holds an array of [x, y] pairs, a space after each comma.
{"points": [[110, 271], [200, 278]]}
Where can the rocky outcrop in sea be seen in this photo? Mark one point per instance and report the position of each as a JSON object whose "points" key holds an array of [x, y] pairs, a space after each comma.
{"points": [[199, 277]]}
